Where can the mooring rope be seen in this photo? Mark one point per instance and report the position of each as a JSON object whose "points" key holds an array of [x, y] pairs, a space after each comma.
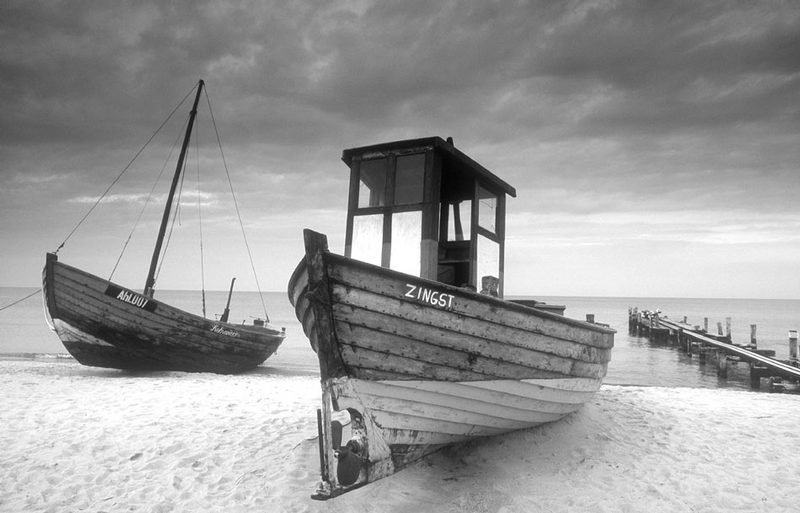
{"points": [[21, 300], [236, 205]]}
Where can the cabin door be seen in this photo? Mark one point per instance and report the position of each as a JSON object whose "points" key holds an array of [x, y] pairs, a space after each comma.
{"points": [[487, 243], [470, 253]]}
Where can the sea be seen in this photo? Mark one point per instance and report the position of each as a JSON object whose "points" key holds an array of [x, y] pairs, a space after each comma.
{"points": [[24, 333]]}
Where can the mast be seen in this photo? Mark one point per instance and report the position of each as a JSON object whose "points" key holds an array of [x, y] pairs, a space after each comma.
{"points": [[148, 286], [227, 311]]}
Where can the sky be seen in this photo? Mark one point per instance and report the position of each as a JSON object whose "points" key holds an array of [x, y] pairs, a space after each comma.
{"points": [[654, 146]]}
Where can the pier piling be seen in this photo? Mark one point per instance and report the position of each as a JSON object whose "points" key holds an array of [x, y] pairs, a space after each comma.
{"points": [[722, 365], [783, 375]]}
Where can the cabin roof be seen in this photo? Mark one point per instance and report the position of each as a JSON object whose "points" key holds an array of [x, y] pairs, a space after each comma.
{"points": [[450, 154]]}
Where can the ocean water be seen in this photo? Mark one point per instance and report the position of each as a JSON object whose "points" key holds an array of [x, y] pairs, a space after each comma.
{"points": [[635, 361]]}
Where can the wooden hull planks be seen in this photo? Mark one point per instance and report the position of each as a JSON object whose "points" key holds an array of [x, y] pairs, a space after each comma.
{"points": [[104, 325], [419, 364], [398, 422], [438, 412]]}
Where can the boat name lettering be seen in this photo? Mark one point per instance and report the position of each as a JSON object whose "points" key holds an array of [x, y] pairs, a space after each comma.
{"points": [[130, 297], [224, 331], [432, 297]]}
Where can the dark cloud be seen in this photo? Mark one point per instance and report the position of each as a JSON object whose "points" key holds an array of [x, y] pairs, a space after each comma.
{"points": [[591, 67], [620, 104], [677, 65]]}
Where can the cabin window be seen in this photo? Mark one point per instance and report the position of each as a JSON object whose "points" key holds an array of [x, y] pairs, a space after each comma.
{"points": [[406, 250], [421, 208], [488, 266], [372, 186], [409, 179], [367, 243], [487, 210], [386, 188], [459, 217]]}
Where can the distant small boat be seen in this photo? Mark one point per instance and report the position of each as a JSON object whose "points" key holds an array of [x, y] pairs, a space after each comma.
{"points": [[104, 324], [413, 337]]}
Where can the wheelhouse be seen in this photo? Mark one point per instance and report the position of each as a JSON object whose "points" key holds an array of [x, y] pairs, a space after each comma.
{"points": [[423, 207]]}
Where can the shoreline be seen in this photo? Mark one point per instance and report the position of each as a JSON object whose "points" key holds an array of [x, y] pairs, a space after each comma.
{"points": [[81, 438], [37, 356]]}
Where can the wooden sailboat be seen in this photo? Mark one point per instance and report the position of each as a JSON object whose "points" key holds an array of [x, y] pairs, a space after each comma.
{"points": [[414, 339], [104, 324]]}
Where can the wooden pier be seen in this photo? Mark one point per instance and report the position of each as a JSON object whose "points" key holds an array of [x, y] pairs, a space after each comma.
{"points": [[782, 375]]}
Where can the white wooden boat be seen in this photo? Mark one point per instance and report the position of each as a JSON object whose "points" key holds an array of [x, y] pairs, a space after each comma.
{"points": [[104, 324], [406, 345]]}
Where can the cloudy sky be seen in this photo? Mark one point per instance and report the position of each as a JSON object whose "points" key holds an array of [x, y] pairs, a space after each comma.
{"points": [[655, 146]]}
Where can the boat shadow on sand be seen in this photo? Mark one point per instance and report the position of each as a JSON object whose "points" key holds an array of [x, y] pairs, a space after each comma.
{"points": [[65, 364], [267, 371]]}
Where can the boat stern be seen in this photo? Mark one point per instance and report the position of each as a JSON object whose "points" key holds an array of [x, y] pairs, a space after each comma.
{"points": [[48, 292]]}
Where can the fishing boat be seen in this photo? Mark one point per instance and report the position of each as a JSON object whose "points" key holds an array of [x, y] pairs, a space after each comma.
{"points": [[415, 341], [104, 324]]}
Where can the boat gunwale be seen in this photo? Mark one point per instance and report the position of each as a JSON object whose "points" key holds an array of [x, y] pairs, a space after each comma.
{"points": [[250, 329], [452, 289]]}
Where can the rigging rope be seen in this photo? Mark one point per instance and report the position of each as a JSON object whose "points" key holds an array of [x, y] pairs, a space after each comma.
{"points": [[200, 222], [236, 205], [146, 202], [175, 217], [121, 173]]}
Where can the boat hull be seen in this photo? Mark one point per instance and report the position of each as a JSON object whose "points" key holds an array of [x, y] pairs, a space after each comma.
{"points": [[419, 364], [102, 324]]}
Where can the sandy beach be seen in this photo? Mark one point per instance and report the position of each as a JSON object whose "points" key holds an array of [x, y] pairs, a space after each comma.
{"points": [[83, 439]]}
